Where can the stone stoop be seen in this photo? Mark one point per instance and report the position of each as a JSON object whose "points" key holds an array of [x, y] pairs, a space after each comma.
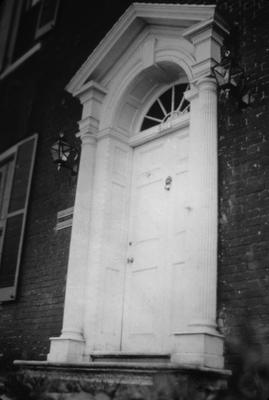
{"points": [[118, 380]]}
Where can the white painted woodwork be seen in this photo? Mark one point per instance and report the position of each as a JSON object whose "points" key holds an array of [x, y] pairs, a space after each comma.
{"points": [[165, 301], [201, 341], [154, 294], [70, 344], [107, 245], [113, 259], [205, 177]]}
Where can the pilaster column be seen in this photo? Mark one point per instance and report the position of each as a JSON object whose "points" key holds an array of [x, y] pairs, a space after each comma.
{"points": [[96, 248], [202, 344], [74, 300], [70, 346], [204, 159]]}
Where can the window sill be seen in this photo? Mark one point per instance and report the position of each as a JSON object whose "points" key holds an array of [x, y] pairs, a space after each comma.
{"points": [[21, 60], [7, 294]]}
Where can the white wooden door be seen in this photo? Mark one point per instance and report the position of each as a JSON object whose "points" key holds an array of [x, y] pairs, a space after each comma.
{"points": [[156, 242]]}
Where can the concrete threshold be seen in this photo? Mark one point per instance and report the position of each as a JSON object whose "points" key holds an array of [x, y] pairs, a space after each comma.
{"points": [[139, 366]]}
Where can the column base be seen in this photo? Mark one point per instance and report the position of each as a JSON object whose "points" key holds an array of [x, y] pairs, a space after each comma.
{"points": [[199, 349], [66, 350]]}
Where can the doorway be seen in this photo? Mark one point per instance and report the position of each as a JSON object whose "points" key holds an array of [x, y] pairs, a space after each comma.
{"points": [[155, 292]]}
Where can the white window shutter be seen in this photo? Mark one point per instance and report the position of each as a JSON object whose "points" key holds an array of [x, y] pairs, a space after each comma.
{"points": [[47, 16], [13, 224]]}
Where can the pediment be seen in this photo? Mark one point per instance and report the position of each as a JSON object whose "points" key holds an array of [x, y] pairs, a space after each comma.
{"points": [[126, 29]]}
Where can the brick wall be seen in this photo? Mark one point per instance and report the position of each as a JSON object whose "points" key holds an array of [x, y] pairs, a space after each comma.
{"points": [[244, 193], [27, 323]]}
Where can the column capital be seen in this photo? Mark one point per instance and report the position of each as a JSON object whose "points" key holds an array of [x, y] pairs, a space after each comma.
{"points": [[87, 131], [87, 138], [91, 96], [207, 37], [207, 83], [91, 91]]}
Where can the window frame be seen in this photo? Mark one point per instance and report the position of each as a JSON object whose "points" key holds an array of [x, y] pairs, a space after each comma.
{"points": [[8, 61], [166, 111], [9, 293], [40, 31]]}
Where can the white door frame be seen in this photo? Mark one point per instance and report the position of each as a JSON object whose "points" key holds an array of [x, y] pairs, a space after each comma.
{"points": [[186, 42], [167, 307]]}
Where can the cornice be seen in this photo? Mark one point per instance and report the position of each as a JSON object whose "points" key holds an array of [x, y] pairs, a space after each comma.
{"points": [[129, 25], [174, 12], [91, 90], [196, 31], [101, 51]]}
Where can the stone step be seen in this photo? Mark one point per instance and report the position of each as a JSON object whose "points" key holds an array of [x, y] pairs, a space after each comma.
{"points": [[119, 380], [129, 357]]}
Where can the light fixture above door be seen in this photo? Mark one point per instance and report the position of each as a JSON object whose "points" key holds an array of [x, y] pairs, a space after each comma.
{"points": [[64, 154], [232, 81]]}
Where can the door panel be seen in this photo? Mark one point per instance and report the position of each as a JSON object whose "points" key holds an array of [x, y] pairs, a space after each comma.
{"points": [[111, 283], [143, 300], [144, 289], [177, 276], [156, 271]]}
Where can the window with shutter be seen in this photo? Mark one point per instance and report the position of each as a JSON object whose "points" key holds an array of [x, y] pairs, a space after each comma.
{"points": [[47, 16], [16, 169], [6, 16], [22, 24]]}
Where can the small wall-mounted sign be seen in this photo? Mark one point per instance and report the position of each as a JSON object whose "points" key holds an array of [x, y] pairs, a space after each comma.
{"points": [[64, 218]]}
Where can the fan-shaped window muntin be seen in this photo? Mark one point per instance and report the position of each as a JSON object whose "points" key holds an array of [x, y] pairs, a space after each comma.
{"points": [[167, 106]]}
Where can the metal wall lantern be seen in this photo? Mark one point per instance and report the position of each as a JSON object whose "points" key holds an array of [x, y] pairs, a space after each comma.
{"points": [[232, 80], [64, 154]]}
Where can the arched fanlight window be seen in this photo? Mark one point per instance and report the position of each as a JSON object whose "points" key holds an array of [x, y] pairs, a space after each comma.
{"points": [[168, 105]]}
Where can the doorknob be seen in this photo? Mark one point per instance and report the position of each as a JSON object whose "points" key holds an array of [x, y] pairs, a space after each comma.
{"points": [[168, 183], [130, 260]]}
